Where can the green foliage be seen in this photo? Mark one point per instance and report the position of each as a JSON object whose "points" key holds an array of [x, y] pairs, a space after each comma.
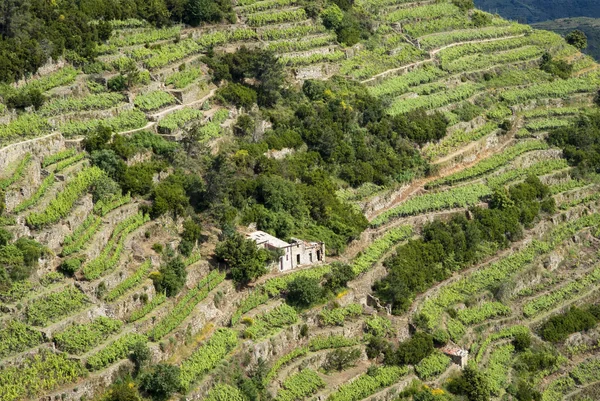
{"points": [[130, 282], [559, 295], [369, 383], [560, 68], [485, 278], [178, 119], [37, 195], [36, 374], [80, 338], [182, 79], [153, 100], [82, 234], [208, 11], [280, 362], [378, 326], [577, 38], [17, 173], [413, 350], [17, 337], [157, 300], [276, 17], [207, 356], [559, 327], [59, 156], [451, 246], [380, 247], [341, 359], [300, 385], [185, 305], [238, 95], [72, 104], [224, 392], [578, 142], [126, 120], [474, 384], [269, 322], [432, 366], [116, 350], [63, 203], [304, 291], [333, 341], [478, 314], [171, 277], [245, 260], [490, 164], [337, 316], [162, 381], [54, 306], [466, 195], [111, 253]]}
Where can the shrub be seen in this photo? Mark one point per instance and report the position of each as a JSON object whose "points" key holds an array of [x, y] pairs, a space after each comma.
{"points": [[341, 359], [559, 327], [161, 382], [238, 95], [304, 291]]}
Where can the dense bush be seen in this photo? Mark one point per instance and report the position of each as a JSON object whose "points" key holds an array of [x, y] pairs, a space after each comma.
{"points": [[412, 351], [171, 277], [580, 142], [304, 291], [559, 327], [161, 382], [450, 246], [560, 68], [238, 95], [245, 260]]}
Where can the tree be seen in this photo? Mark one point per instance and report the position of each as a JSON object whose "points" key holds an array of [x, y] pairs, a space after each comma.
{"points": [[332, 17], [522, 341], [303, 291], [412, 351], [476, 384], [192, 231], [245, 260], [169, 195], [171, 277], [140, 355], [238, 95], [110, 162], [577, 38], [464, 5], [162, 381], [339, 276], [199, 11], [341, 359]]}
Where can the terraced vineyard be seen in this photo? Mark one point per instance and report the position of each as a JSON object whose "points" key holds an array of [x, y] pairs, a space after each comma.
{"points": [[446, 157]]}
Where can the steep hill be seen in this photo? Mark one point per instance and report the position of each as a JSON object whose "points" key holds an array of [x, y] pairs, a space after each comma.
{"points": [[531, 11], [590, 26], [447, 157]]}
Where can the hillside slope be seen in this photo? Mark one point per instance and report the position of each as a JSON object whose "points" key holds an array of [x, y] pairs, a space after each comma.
{"points": [[448, 159], [590, 26], [531, 11]]}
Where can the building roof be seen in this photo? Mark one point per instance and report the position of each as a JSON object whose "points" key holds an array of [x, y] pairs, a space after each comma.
{"points": [[453, 350], [261, 237]]}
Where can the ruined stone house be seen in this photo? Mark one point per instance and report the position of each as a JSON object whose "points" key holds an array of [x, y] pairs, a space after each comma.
{"points": [[458, 355], [295, 254]]}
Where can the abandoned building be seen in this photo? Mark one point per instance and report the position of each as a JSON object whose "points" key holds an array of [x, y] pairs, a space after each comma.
{"points": [[458, 355], [298, 253]]}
